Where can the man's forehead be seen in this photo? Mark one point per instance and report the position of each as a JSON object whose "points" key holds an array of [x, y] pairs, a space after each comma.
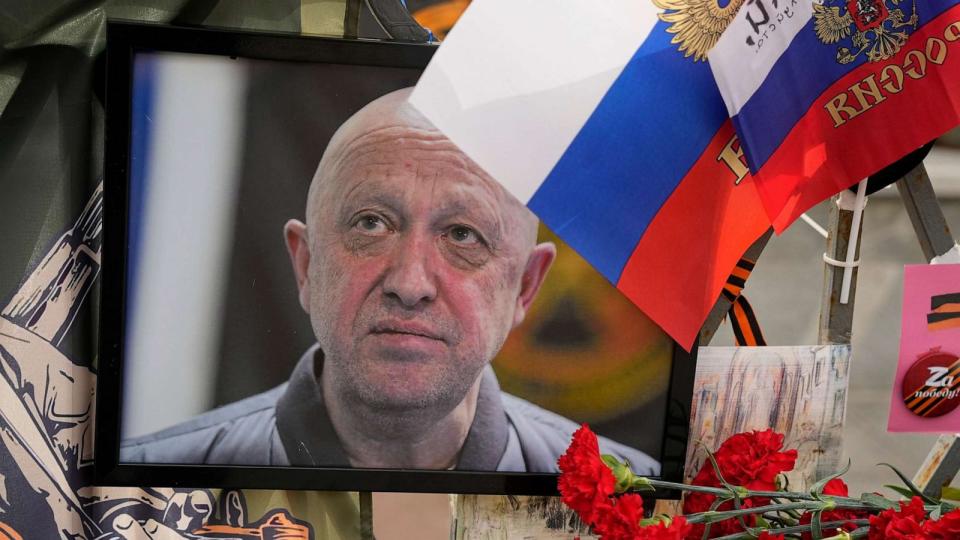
{"points": [[401, 143], [409, 155], [389, 137]]}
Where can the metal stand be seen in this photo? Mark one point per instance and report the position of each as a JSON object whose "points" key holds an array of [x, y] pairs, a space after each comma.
{"points": [[836, 318]]}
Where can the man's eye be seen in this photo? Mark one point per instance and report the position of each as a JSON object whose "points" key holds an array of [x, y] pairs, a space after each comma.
{"points": [[371, 224], [463, 235]]}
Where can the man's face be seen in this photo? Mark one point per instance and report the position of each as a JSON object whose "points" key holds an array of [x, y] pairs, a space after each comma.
{"points": [[416, 264]]}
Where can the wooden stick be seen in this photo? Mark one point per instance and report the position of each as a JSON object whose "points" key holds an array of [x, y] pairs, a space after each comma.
{"points": [[366, 516]]}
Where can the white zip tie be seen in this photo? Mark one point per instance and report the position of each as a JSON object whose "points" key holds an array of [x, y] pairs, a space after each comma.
{"points": [[847, 200], [858, 205], [842, 264]]}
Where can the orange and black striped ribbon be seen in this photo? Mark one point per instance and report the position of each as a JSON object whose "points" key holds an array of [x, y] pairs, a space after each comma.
{"points": [[925, 399], [746, 329], [945, 312]]}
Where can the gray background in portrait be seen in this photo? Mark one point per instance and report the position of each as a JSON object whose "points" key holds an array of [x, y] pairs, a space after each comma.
{"points": [[292, 111]]}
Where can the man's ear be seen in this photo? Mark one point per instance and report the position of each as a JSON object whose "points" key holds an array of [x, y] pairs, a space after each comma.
{"points": [[295, 235], [538, 264]]}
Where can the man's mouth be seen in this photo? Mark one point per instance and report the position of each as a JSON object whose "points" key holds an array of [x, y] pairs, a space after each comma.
{"points": [[399, 328]]}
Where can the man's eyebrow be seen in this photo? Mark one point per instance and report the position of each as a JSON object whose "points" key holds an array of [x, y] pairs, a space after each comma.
{"points": [[476, 212], [368, 193], [371, 190]]}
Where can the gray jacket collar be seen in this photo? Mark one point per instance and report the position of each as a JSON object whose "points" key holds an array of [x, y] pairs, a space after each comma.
{"points": [[309, 438]]}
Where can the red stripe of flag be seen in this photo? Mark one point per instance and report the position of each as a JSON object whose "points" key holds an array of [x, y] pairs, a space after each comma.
{"points": [[679, 267], [817, 159]]}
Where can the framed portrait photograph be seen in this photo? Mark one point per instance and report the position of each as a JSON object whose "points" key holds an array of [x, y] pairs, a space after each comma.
{"points": [[307, 286]]}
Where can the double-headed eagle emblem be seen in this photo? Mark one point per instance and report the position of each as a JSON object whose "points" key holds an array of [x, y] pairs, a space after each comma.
{"points": [[697, 24], [877, 30]]}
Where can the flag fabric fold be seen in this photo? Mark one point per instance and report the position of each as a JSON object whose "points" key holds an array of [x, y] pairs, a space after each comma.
{"points": [[605, 120], [824, 94]]}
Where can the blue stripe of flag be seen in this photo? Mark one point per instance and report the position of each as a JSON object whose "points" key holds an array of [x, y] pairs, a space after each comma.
{"points": [[647, 132], [805, 70]]}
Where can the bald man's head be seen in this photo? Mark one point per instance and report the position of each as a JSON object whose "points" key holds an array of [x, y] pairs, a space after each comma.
{"points": [[392, 116], [414, 264]]}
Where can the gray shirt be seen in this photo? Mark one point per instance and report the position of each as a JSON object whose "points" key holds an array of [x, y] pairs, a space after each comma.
{"points": [[289, 425]]}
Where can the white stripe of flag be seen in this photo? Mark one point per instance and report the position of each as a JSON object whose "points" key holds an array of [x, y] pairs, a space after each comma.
{"points": [[515, 80], [740, 68]]}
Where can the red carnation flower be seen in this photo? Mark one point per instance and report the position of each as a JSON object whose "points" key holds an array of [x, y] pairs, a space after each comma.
{"points": [[676, 530], [837, 488], [621, 521], [586, 483], [945, 528], [767, 536], [752, 460], [903, 524]]}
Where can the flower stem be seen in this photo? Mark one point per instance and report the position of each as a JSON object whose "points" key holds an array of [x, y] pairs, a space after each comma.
{"points": [[687, 487], [782, 495], [724, 491], [712, 517], [802, 529], [841, 502]]}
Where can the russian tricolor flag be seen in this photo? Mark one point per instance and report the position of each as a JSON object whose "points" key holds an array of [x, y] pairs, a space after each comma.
{"points": [[618, 140], [826, 93]]}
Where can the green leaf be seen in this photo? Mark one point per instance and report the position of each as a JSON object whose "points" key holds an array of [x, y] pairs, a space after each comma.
{"points": [[783, 483], [817, 489], [609, 460], [913, 488], [950, 493], [816, 531], [935, 514], [899, 489], [659, 518], [877, 500], [713, 508], [720, 478], [733, 489], [642, 483]]}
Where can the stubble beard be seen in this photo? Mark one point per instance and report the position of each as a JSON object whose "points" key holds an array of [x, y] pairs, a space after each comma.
{"points": [[398, 411]]}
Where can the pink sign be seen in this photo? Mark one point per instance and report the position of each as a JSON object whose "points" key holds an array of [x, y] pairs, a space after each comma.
{"points": [[926, 390]]}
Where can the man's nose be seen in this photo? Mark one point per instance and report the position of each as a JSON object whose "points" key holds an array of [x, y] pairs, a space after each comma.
{"points": [[410, 278]]}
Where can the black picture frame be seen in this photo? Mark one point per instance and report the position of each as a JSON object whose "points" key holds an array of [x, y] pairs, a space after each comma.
{"points": [[124, 41]]}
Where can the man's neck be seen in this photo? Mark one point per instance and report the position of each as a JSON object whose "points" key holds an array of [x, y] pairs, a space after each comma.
{"points": [[411, 440]]}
